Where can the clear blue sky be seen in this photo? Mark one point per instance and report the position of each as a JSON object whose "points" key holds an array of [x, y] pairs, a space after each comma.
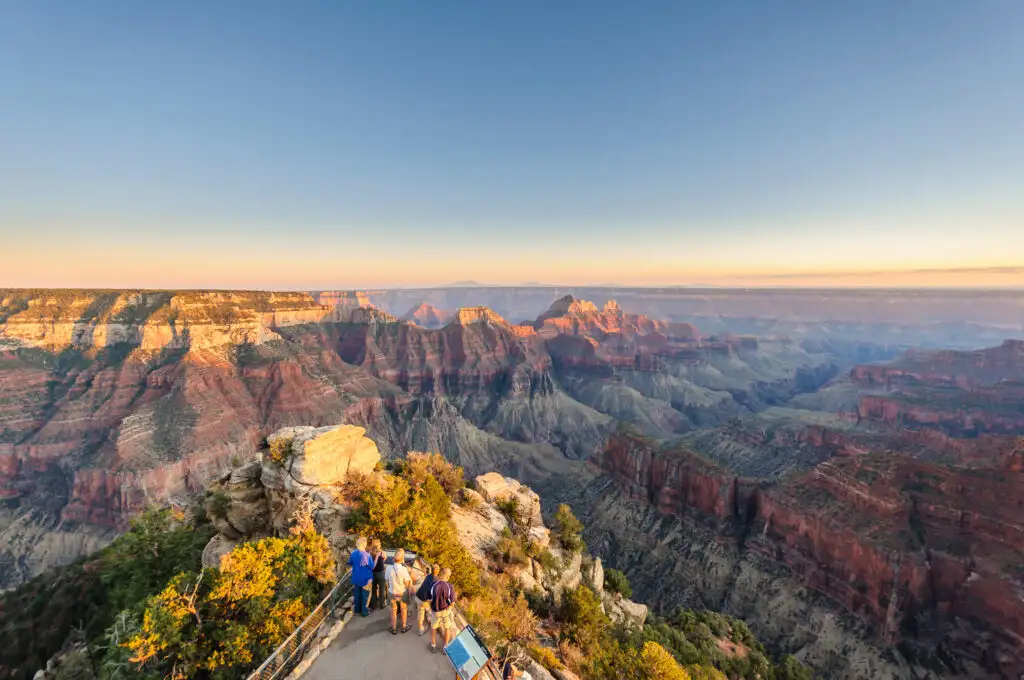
{"points": [[367, 143]]}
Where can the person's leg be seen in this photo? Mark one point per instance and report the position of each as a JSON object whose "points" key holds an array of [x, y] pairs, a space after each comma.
{"points": [[405, 616], [449, 629], [394, 614], [381, 590], [357, 599], [433, 630]]}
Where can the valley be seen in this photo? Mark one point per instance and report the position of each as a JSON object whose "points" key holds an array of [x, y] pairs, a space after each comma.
{"points": [[831, 477]]}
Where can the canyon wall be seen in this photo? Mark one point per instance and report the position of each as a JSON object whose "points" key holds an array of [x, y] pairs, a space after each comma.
{"points": [[925, 557]]}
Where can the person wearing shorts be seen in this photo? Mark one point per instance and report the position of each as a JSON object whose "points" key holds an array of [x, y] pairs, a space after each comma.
{"points": [[442, 613], [399, 583], [423, 597]]}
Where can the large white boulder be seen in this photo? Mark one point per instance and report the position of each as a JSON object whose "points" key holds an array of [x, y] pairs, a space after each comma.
{"points": [[302, 458]]}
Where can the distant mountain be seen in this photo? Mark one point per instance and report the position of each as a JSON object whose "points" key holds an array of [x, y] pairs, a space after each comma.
{"points": [[466, 284]]}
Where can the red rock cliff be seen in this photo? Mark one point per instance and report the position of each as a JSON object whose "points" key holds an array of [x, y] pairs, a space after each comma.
{"points": [[890, 538]]}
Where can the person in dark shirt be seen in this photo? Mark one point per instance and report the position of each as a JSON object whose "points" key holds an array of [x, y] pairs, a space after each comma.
{"points": [[423, 597], [442, 597], [380, 563], [362, 575]]}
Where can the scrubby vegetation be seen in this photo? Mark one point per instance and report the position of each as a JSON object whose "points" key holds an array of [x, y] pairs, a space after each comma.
{"points": [[689, 645], [413, 510], [616, 582], [280, 449], [81, 601], [219, 623], [567, 530]]}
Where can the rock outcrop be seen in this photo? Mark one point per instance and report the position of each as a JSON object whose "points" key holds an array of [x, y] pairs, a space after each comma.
{"points": [[301, 459], [301, 466]]}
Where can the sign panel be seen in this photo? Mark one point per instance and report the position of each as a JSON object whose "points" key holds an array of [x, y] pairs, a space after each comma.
{"points": [[467, 653]]}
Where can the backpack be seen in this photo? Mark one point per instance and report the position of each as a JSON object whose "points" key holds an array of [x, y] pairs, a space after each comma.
{"points": [[396, 576], [423, 594]]}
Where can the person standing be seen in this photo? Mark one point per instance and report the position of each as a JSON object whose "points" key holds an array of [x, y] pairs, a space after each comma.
{"points": [[399, 584], [380, 562], [423, 597], [442, 597], [362, 575]]}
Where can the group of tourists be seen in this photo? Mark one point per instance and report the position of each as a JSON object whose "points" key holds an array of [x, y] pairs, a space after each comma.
{"points": [[377, 581]]}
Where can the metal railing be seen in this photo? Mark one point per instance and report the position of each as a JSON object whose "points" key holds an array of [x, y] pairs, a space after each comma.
{"points": [[288, 654]]}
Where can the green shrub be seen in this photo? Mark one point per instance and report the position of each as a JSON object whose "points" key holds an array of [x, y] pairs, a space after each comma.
{"points": [[584, 622], [86, 596], [518, 520], [419, 466], [220, 623], [508, 551], [280, 449], [469, 502], [616, 582], [568, 530], [75, 665], [218, 504], [791, 669], [546, 657], [418, 520], [550, 563]]}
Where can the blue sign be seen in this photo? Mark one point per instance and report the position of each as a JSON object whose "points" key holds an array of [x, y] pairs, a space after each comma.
{"points": [[467, 653]]}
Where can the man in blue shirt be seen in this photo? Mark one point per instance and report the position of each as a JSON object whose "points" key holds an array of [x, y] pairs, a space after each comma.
{"points": [[362, 574]]}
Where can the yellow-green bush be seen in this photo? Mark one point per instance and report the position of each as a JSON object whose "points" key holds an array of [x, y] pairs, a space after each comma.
{"points": [[219, 623], [417, 519]]}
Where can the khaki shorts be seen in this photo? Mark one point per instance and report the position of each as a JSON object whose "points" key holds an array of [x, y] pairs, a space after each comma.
{"points": [[445, 619], [399, 601]]}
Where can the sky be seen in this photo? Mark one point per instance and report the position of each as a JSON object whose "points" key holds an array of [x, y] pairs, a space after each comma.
{"points": [[343, 144]]}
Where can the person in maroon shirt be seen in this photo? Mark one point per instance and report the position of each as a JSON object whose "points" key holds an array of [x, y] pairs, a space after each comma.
{"points": [[442, 614]]}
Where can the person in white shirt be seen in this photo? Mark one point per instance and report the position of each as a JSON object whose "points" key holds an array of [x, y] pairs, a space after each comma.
{"points": [[399, 584]]}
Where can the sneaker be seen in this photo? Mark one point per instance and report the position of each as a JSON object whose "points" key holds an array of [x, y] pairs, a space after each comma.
{"points": [[394, 631], [433, 648], [406, 629], [423, 631]]}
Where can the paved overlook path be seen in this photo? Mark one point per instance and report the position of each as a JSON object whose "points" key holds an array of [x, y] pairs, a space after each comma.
{"points": [[365, 650]]}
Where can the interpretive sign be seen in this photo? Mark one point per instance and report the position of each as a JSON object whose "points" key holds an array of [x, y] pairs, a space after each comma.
{"points": [[468, 653]]}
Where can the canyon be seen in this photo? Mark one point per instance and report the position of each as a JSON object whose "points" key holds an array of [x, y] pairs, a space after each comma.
{"points": [[858, 505]]}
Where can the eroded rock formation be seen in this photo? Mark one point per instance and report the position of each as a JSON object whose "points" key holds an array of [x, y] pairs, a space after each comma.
{"points": [[923, 553]]}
